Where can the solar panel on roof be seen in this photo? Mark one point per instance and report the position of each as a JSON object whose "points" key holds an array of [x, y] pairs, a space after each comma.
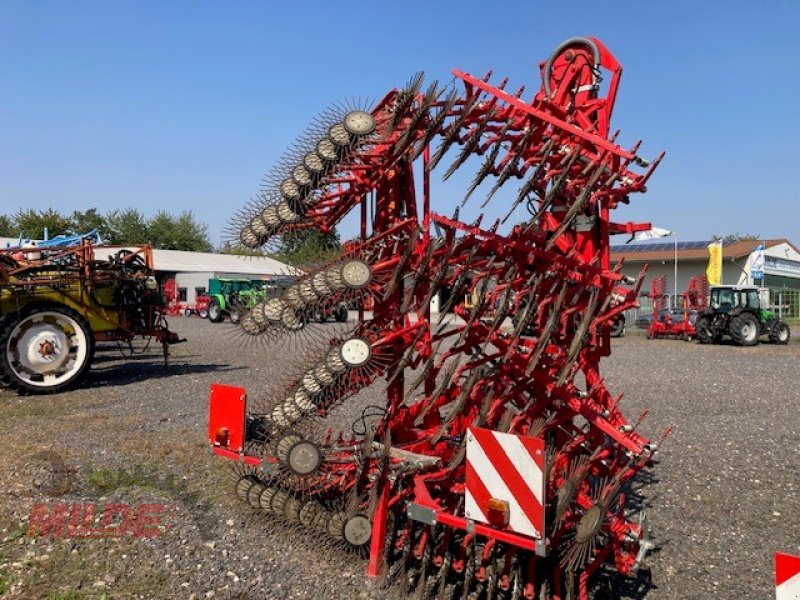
{"points": [[664, 246]]}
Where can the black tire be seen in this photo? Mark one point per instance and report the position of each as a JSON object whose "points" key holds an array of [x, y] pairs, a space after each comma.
{"points": [[235, 316], [744, 329], [618, 328], [703, 330], [45, 323], [341, 314], [779, 333], [215, 313], [203, 313]]}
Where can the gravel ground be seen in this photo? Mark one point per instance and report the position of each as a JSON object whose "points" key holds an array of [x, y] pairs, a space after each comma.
{"points": [[724, 495]]}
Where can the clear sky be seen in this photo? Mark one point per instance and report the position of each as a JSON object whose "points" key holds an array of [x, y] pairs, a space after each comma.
{"points": [[186, 104]]}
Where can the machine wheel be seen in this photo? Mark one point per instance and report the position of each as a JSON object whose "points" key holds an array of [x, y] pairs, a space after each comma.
{"points": [[202, 313], [703, 330], [46, 349], [618, 328], [235, 316], [744, 330], [215, 311], [779, 333], [341, 314]]}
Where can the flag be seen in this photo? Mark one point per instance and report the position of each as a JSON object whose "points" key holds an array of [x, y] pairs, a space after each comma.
{"points": [[651, 234], [757, 262], [714, 269]]}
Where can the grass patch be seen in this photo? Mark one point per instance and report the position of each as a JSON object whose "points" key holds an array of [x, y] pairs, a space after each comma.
{"points": [[67, 576], [109, 480], [5, 584]]}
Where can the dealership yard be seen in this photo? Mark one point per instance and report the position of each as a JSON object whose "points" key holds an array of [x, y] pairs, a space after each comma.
{"points": [[724, 495]]}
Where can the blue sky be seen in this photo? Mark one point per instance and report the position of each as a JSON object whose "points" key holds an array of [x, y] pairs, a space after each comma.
{"points": [[186, 104]]}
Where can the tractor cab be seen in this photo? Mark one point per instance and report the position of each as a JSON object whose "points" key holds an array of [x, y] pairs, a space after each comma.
{"points": [[724, 299]]}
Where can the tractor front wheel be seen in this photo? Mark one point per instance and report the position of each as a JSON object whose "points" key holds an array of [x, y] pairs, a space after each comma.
{"points": [[779, 333], [215, 311], [46, 349], [703, 330], [235, 316], [744, 330]]}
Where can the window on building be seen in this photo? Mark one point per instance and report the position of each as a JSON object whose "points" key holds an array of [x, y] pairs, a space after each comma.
{"points": [[182, 294]]}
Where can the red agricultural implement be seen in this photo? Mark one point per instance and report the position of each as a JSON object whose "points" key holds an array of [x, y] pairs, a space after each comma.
{"points": [[499, 464], [677, 324]]}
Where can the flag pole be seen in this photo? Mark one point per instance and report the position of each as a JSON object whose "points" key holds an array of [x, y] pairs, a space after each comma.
{"points": [[675, 235]]}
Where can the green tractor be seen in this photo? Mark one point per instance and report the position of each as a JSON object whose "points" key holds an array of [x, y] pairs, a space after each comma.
{"points": [[739, 312], [231, 297]]}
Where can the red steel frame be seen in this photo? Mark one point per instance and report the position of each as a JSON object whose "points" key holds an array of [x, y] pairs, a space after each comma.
{"points": [[560, 271]]}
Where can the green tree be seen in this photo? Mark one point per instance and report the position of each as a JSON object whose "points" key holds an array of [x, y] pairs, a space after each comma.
{"points": [[191, 234], [183, 232], [7, 227], [32, 223], [127, 226], [87, 220], [308, 246]]}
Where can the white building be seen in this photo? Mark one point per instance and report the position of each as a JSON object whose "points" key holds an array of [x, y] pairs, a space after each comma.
{"points": [[192, 270]]}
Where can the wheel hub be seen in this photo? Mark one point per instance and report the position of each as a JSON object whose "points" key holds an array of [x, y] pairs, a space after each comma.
{"points": [[42, 349], [357, 530]]}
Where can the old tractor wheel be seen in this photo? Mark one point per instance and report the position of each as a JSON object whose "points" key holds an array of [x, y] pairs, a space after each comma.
{"points": [[779, 333], [744, 330], [215, 314], [703, 330], [46, 349], [235, 316]]}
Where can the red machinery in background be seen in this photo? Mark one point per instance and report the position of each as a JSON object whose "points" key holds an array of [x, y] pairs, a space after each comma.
{"points": [[499, 464], [668, 323]]}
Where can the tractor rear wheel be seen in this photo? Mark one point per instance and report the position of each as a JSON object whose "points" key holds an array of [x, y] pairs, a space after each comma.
{"points": [[215, 311], [703, 330], [744, 330], [45, 349], [779, 333]]}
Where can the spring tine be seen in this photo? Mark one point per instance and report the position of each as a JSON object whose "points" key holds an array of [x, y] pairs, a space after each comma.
{"points": [[436, 123], [409, 93], [488, 164], [471, 144], [453, 131], [431, 95], [511, 165]]}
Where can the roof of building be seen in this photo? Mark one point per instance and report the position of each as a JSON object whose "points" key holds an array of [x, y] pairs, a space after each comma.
{"points": [[181, 261], [656, 251]]}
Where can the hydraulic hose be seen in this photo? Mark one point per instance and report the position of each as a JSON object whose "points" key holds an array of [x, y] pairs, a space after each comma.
{"points": [[548, 65]]}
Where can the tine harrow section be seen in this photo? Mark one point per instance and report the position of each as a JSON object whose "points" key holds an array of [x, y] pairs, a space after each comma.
{"points": [[500, 465]]}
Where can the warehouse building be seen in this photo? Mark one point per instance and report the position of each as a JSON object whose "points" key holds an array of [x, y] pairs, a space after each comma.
{"points": [[192, 270], [688, 259]]}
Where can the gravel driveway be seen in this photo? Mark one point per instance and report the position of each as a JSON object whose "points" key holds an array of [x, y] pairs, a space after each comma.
{"points": [[724, 496]]}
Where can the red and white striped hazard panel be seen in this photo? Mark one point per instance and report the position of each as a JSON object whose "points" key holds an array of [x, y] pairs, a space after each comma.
{"points": [[787, 577], [505, 471]]}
